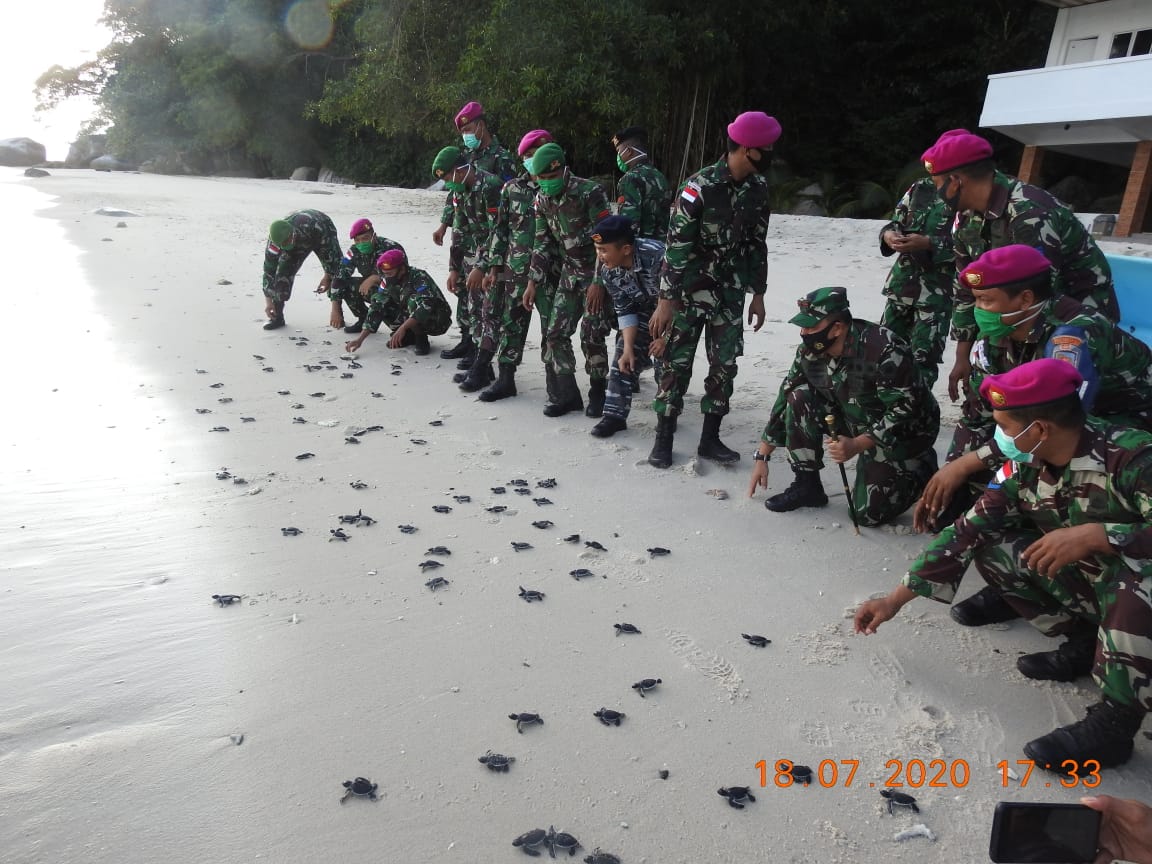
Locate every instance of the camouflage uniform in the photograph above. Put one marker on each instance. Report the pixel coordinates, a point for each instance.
(634, 293)
(872, 389)
(495, 160)
(919, 285)
(346, 287)
(645, 196)
(314, 232)
(1108, 481)
(414, 296)
(474, 220)
(1116, 365)
(716, 252)
(1025, 214)
(564, 225)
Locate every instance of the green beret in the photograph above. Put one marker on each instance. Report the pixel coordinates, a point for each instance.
(280, 232)
(447, 161)
(818, 305)
(548, 158)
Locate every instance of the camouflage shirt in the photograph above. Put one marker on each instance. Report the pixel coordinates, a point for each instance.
(872, 389)
(1114, 364)
(634, 292)
(495, 160)
(474, 220)
(716, 235)
(921, 211)
(564, 227)
(1108, 481)
(515, 230)
(313, 232)
(414, 296)
(644, 196)
(1025, 214)
(364, 263)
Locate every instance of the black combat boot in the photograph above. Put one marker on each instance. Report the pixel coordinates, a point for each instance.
(504, 387)
(568, 397)
(355, 328)
(481, 373)
(420, 346)
(806, 491)
(277, 320)
(711, 447)
(986, 606)
(609, 426)
(661, 455)
(461, 349)
(596, 392)
(1072, 660)
(550, 387)
(1105, 735)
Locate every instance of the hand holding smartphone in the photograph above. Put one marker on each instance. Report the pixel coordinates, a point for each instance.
(1050, 833)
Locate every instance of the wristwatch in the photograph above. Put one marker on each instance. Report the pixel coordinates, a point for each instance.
(759, 457)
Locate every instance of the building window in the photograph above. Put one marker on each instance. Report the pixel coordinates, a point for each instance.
(1131, 44)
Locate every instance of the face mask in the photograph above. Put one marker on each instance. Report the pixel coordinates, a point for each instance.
(551, 186)
(470, 140)
(820, 341)
(528, 165)
(458, 188)
(952, 201)
(991, 325)
(1008, 445)
(758, 165)
(364, 248)
(621, 164)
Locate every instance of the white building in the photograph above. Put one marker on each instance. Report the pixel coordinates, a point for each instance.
(1093, 98)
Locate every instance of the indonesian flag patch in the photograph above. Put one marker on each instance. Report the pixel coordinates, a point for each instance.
(690, 194)
(1005, 472)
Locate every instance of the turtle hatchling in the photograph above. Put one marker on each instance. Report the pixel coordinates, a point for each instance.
(801, 774)
(223, 474)
(580, 573)
(737, 796)
(499, 508)
(436, 582)
(283, 392)
(530, 596)
(497, 761)
(646, 684)
(291, 532)
(550, 483)
(358, 484)
(626, 628)
(594, 544)
(351, 440)
(499, 490)
(350, 518)
(659, 551)
(525, 719)
(337, 534)
(541, 502)
(518, 482)
(530, 841)
(203, 410)
(561, 840)
(756, 641)
(366, 520)
(407, 529)
(299, 420)
(543, 524)
(521, 547)
(572, 538)
(435, 422)
(360, 787)
(247, 419)
(316, 395)
(609, 717)
(462, 499)
(218, 429)
(598, 857)
(303, 456)
(519, 490)
(439, 550)
(899, 799)
(430, 565)
(226, 599)
(419, 442)
(216, 386)
(441, 508)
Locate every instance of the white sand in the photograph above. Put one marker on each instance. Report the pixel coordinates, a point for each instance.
(124, 682)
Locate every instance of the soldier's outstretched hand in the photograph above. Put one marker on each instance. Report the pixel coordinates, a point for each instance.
(1065, 546)
(661, 319)
(756, 312)
(529, 299)
(355, 344)
(872, 613)
(438, 235)
(759, 478)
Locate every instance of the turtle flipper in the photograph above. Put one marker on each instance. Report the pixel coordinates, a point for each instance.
(735, 804)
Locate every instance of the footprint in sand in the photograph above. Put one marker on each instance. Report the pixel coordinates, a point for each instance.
(816, 733)
(711, 665)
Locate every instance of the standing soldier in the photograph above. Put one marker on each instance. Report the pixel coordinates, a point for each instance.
(1064, 533)
(361, 256)
(643, 193)
(716, 253)
(919, 285)
(567, 210)
(866, 379)
(290, 241)
(408, 302)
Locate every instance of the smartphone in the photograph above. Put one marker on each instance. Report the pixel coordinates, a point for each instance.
(1050, 833)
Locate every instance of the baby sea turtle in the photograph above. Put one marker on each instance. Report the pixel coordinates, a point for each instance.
(521, 491)
(598, 857)
(216, 386)
(358, 484)
(337, 534)
(499, 490)
(360, 787)
(626, 628)
(350, 518)
(396, 370)
(376, 395)
(441, 508)
(408, 529)
(439, 550)
(283, 392)
(581, 573)
(302, 456)
(430, 565)
(644, 685)
(419, 442)
(297, 406)
(203, 410)
(499, 508)
(594, 544)
(530, 841)
(247, 419)
(352, 364)
(737, 796)
(609, 717)
(525, 719)
(518, 482)
(521, 547)
(436, 582)
(239, 481)
(268, 369)
(541, 502)
(308, 367)
(218, 429)
(530, 596)
(201, 371)
(659, 551)
(316, 395)
(224, 400)
(801, 774)
(366, 520)
(899, 799)
(291, 532)
(462, 499)
(572, 538)
(226, 599)
(347, 374)
(561, 840)
(756, 641)
(543, 524)
(223, 474)
(351, 440)
(435, 422)
(299, 420)
(496, 761)
(550, 483)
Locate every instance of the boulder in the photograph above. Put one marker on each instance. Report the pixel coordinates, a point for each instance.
(327, 175)
(165, 163)
(305, 173)
(1074, 191)
(110, 163)
(36, 172)
(808, 207)
(84, 149)
(20, 152)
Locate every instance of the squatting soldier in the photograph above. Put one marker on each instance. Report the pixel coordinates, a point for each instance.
(643, 194)
(477, 202)
(509, 253)
(361, 257)
(408, 302)
(629, 272)
(866, 378)
(716, 253)
(993, 210)
(290, 241)
(1064, 533)
(919, 285)
(567, 210)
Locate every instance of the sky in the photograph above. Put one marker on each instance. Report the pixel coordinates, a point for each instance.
(66, 32)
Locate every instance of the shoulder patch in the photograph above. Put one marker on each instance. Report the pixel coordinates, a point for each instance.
(273, 248)
(690, 199)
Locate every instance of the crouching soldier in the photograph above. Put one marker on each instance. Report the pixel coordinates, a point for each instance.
(408, 302)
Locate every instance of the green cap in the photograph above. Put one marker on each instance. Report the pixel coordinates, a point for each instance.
(818, 305)
(447, 161)
(548, 158)
(280, 232)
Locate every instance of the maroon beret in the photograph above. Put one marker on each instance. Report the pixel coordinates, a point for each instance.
(469, 113)
(1030, 384)
(955, 149)
(1004, 266)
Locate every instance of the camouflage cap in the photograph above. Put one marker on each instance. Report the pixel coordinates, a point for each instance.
(818, 305)
(447, 161)
(548, 158)
(280, 232)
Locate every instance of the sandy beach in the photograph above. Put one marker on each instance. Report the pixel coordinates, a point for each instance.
(143, 722)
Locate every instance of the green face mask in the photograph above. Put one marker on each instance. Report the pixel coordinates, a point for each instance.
(551, 186)
(621, 164)
(991, 325)
(363, 248)
(458, 188)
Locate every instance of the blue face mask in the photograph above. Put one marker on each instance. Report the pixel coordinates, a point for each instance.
(470, 140)
(1008, 446)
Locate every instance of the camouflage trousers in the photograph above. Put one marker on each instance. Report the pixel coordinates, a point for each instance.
(885, 486)
(391, 314)
(719, 315)
(1113, 597)
(514, 322)
(594, 330)
(469, 306)
(567, 307)
(348, 292)
(493, 303)
(922, 323)
(279, 288)
(621, 387)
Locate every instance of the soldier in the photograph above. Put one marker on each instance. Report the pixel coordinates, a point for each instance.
(509, 252)
(361, 256)
(919, 285)
(290, 241)
(643, 193)
(477, 202)
(866, 378)
(408, 302)
(1064, 533)
(716, 252)
(629, 271)
(567, 210)
(993, 210)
